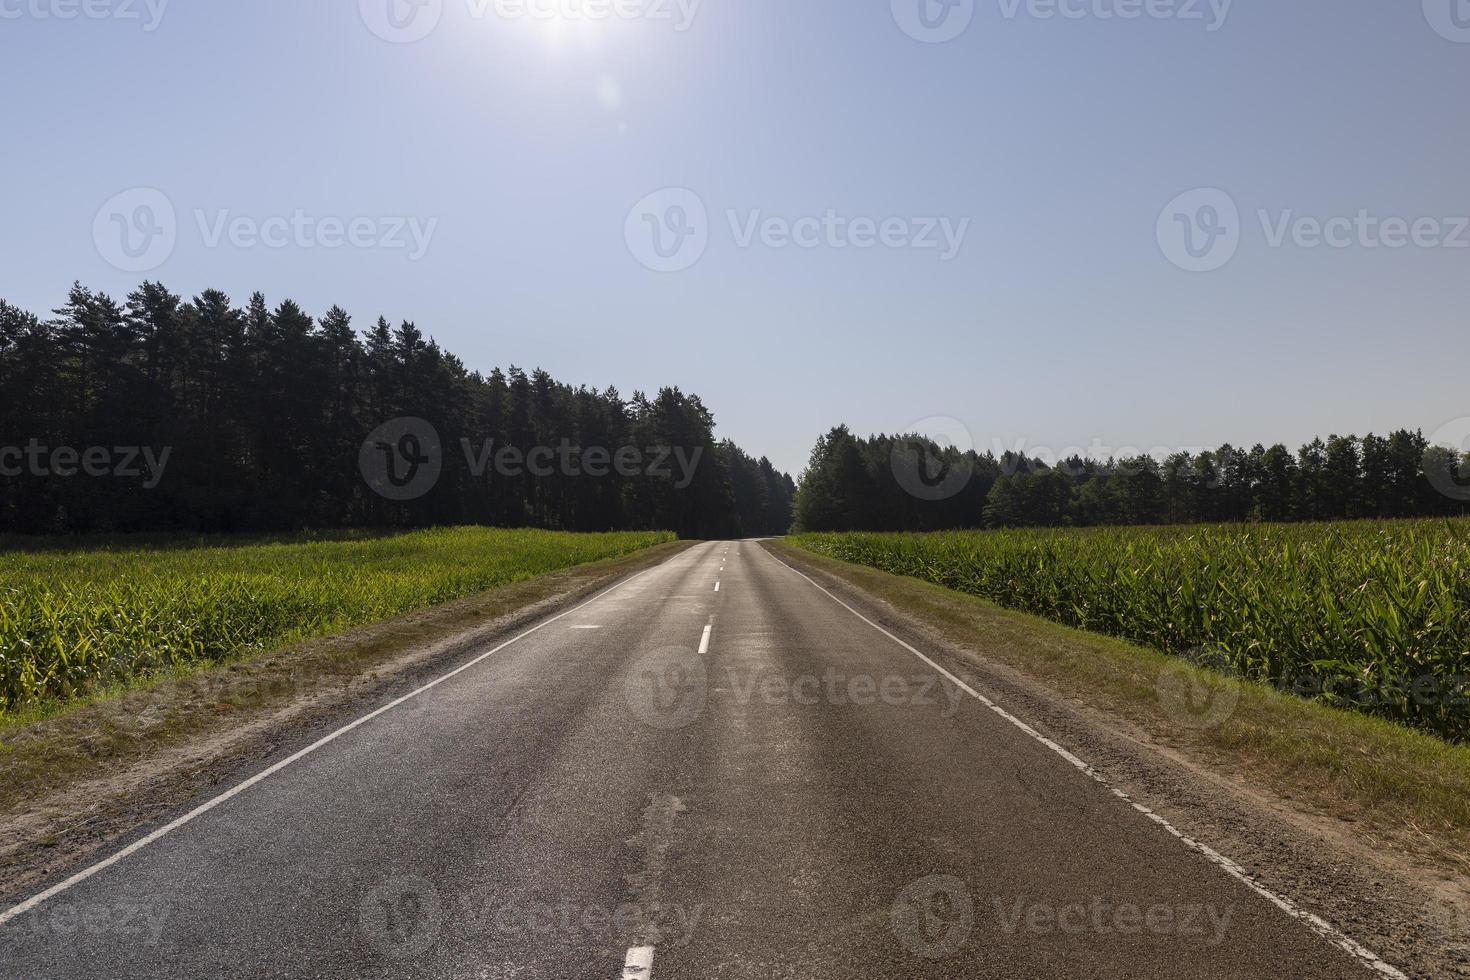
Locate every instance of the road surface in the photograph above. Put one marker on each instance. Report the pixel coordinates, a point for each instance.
(713, 770)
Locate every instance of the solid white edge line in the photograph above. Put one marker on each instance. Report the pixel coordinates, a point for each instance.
(639, 963)
(204, 808)
(704, 640)
(1317, 924)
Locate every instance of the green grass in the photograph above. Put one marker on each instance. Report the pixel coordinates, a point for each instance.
(1373, 616)
(93, 616)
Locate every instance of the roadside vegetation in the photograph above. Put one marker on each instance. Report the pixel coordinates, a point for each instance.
(98, 616)
(212, 417)
(908, 483)
(1391, 788)
(1371, 616)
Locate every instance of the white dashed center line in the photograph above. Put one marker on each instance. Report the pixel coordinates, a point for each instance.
(639, 964)
(704, 640)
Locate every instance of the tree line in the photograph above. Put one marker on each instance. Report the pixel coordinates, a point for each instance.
(261, 419)
(908, 483)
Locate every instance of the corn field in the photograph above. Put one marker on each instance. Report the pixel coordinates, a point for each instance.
(1373, 616)
(74, 620)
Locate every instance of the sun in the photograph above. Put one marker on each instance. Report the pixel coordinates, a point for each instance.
(565, 23)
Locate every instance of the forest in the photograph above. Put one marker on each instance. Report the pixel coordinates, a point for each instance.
(908, 483)
(159, 414)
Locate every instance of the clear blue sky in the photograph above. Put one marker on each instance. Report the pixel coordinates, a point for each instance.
(1059, 322)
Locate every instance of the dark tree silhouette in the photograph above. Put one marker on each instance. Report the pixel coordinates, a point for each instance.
(856, 484)
(264, 413)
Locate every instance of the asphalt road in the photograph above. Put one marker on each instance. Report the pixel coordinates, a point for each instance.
(804, 799)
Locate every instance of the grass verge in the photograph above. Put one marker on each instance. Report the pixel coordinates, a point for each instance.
(197, 712)
(91, 617)
(1401, 788)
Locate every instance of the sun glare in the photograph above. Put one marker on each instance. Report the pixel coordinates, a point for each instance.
(564, 23)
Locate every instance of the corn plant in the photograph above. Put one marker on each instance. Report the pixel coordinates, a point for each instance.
(1373, 616)
(72, 620)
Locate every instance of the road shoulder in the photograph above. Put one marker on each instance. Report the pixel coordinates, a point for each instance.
(75, 783)
(1361, 822)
